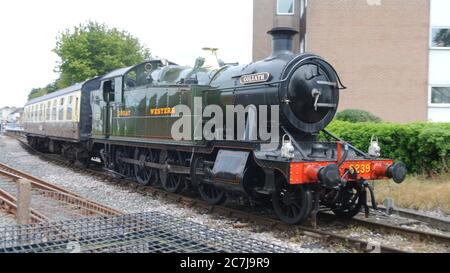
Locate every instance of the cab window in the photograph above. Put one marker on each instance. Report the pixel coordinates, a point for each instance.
(139, 76)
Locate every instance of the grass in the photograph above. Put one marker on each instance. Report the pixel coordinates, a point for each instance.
(417, 192)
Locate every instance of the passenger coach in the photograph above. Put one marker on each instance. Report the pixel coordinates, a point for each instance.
(60, 122)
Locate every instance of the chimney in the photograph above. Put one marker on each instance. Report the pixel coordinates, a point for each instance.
(282, 40)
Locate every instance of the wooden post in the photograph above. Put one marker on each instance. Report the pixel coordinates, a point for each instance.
(23, 216)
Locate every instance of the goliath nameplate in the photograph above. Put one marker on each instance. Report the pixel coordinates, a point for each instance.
(255, 78)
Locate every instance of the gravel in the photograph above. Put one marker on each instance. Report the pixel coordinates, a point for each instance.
(128, 201)
(6, 219)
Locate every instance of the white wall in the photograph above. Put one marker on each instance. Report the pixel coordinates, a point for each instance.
(439, 61)
(440, 13)
(439, 66)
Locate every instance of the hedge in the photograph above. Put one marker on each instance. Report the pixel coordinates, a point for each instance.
(356, 115)
(423, 147)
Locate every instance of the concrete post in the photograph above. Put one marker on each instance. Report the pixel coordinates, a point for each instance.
(389, 204)
(23, 216)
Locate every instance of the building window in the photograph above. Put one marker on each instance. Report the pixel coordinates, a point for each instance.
(285, 7)
(440, 37)
(440, 96)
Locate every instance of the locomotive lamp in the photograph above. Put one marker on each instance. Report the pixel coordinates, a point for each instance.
(287, 149)
(374, 148)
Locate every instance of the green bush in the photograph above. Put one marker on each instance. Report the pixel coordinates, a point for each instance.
(423, 147)
(355, 115)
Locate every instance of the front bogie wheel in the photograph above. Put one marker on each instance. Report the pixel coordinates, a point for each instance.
(350, 202)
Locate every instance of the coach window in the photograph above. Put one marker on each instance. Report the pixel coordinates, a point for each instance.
(69, 108)
(285, 7)
(49, 108)
(54, 110)
(76, 108)
(39, 112)
(61, 109)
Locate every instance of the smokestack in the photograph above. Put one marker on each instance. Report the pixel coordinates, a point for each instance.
(282, 40)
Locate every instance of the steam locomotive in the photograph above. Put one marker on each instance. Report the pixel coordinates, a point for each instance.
(127, 118)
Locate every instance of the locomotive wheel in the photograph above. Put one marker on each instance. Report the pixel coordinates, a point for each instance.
(144, 175)
(120, 166)
(83, 162)
(292, 204)
(171, 182)
(82, 158)
(211, 194)
(350, 202)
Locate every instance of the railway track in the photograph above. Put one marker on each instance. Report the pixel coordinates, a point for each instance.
(434, 221)
(269, 221)
(49, 202)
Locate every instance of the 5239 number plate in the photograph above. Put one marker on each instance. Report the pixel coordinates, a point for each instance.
(363, 168)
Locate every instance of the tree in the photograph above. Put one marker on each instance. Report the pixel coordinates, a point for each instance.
(93, 49)
(37, 92)
(90, 50)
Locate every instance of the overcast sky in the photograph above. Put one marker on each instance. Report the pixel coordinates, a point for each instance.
(171, 29)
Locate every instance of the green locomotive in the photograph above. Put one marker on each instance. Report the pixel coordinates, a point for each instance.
(225, 130)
